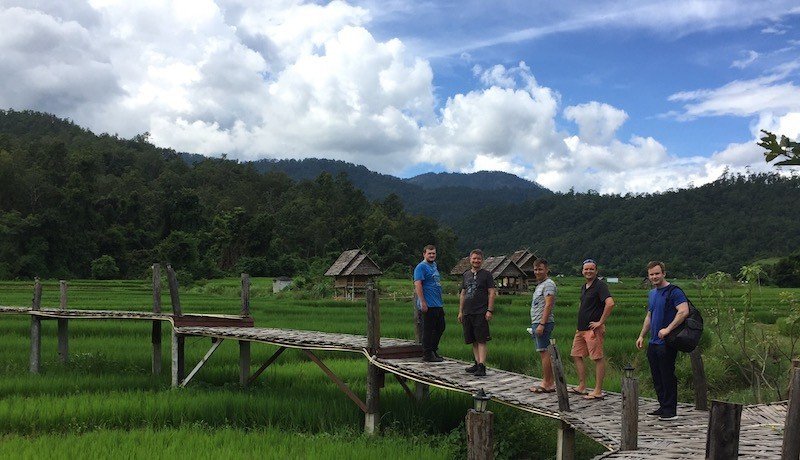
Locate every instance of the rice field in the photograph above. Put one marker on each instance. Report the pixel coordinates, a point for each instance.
(105, 402)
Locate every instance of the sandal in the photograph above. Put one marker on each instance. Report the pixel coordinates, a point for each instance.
(541, 389)
(592, 397)
(576, 391)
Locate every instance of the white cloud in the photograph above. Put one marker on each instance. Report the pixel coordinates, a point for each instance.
(597, 122)
(746, 61)
(288, 79)
(742, 97)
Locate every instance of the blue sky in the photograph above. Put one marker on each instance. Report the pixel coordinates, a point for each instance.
(615, 96)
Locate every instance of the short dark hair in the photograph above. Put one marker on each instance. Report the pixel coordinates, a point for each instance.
(476, 251)
(540, 261)
(657, 263)
(429, 247)
(589, 261)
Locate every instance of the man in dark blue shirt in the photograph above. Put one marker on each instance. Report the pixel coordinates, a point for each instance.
(428, 287)
(667, 307)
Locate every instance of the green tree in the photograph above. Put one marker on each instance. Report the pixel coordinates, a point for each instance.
(104, 268)
(783, 148)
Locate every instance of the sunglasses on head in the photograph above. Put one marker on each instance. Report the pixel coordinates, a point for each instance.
(590, 261)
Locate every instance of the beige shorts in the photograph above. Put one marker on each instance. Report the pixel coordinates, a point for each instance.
(589, 343)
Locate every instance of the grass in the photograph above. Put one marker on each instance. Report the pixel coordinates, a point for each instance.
(105, 400)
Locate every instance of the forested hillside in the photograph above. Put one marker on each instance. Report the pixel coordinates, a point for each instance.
(73, 204)
(719, 226)
(444, 196)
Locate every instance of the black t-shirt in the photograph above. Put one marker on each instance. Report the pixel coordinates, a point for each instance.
(476, 291)
(593, 302)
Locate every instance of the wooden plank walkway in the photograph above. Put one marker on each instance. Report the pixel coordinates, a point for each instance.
(761, 427)
(684, 438)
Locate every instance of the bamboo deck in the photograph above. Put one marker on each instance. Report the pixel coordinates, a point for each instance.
(684, 438)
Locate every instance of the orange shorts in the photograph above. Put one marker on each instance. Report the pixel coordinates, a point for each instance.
(589, 343)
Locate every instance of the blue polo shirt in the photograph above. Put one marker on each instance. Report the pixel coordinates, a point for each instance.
(431, 283)
(661, 304)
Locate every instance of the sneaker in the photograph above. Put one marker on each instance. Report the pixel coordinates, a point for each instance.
(656, 413)
(472, 369)
(481, 371)
(431, 357)
(436, 353)
(664, 417)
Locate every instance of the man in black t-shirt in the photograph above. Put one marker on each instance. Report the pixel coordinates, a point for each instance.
(475, 310)
(596, 306)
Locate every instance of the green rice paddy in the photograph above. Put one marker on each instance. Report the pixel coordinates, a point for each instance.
(105, 403)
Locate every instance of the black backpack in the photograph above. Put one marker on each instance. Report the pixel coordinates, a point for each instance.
(686, 335)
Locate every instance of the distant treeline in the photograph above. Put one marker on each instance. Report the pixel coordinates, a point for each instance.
(720, 226)
(74, 204)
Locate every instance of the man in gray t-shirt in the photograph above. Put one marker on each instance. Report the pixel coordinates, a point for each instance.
(543, 322)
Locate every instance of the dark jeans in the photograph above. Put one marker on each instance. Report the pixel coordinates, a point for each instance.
(662, 368)
(432, 328)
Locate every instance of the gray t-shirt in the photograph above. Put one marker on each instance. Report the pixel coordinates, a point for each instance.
(544, 289)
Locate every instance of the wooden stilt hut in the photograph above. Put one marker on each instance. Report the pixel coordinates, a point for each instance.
(508, 277)
(351, 272)
(524, 259)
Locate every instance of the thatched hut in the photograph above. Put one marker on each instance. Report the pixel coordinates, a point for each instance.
(351, 272)
(524, 260)
(508, 277)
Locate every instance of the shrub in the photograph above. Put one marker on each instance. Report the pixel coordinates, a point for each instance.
(105, 268)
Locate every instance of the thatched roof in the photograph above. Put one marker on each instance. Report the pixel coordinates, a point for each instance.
(524, 260)
(498, 266)
(354, 262)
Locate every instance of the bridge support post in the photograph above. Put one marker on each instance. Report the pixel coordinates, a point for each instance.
(63, 325)
(178, 361)
(565, 449)
(36, 328)
(480, 435)
(699, 381)
(791, 428)
(155, 334)
(722, 438)
(630, 411)
(244, 346)
(374, 374)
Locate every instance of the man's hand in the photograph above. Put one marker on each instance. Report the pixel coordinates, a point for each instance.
(594, 324)
(663, 333)
(423, 306)
(640, 342)
(488, 315)
(460, 317)
(540, 329)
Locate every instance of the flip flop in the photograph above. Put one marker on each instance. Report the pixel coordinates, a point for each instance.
(591, 397)
(541, 389)
(576, 391)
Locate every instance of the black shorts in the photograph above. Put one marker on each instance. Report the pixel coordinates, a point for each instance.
(476, 328)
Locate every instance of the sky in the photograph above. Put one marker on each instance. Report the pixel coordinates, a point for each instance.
(622, 96)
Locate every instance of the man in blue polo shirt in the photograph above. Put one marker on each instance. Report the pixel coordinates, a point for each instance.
(667, 307)
(428, 287)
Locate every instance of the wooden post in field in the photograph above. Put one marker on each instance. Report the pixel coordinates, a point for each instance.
(480, 435)
(558, 374)
(174, 296)
(791, 428)
(565, 449)
(63, 324)
(630, 411)
(36, 328)
(699, 381)
(178, 361)
(722, 438)
(155, 334)
(795, 365)
(421, 390)
(244, 345)
(374, 373)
